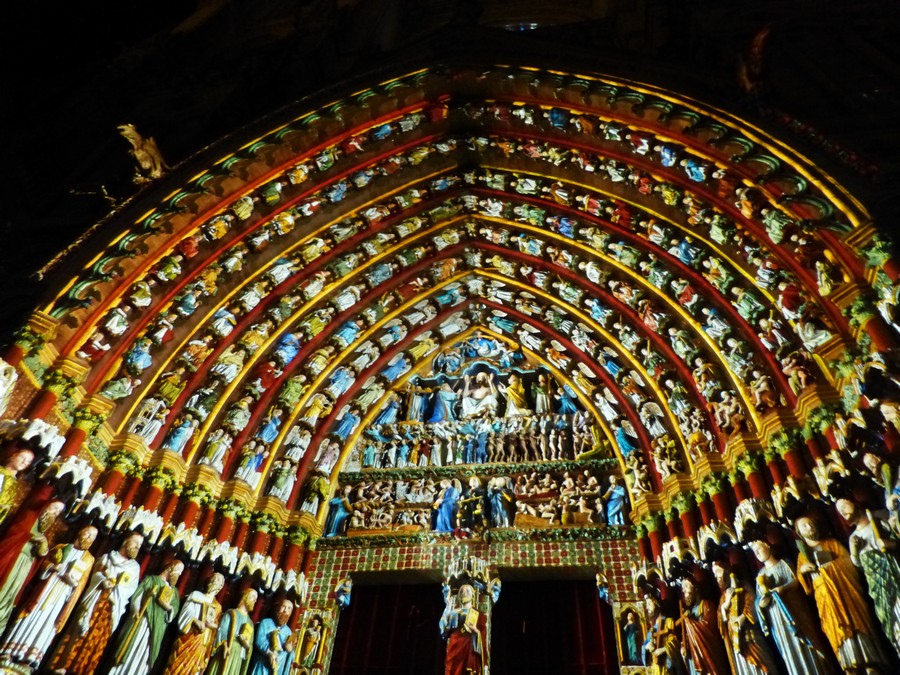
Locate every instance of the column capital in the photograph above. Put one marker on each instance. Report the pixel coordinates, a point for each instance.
(684, 502)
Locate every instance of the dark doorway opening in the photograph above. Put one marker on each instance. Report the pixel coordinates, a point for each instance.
(552, 628)
(390, 630)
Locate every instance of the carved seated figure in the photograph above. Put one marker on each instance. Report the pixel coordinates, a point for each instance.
(479, 399)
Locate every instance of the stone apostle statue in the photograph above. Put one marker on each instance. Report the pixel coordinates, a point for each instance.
(63, 576)
(152, 608)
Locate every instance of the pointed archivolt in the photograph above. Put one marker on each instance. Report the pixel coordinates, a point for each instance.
(688, 264)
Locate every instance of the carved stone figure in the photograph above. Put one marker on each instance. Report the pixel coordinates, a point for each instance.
(274, 643)
(21, 548)
(748, 651)
(465, 629)
(783, 613)
(662, 648)
(151, 164)
(873, 549)
(113, 581)
(63, 576)
(18, 462)
(702, 641)
(153, 607)
(234, 639)
(826, 572)
(479, 398)
(198, 622)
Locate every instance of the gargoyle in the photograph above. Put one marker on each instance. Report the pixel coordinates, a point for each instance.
(151, 164)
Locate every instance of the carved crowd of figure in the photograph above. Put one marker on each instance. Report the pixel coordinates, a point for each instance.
(207, 346)
(523, 501)
(239, 414)
(638, 252)
(527, 438)
(719, 322)
(819, 602)
(63, 610)
(624, 260)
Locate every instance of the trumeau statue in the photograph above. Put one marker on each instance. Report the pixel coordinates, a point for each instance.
(465, 628)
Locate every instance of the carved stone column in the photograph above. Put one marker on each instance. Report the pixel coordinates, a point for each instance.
(651, 523)
(717, 487)
(685, 503)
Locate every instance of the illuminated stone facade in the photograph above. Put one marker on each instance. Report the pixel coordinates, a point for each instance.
(657, 328)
